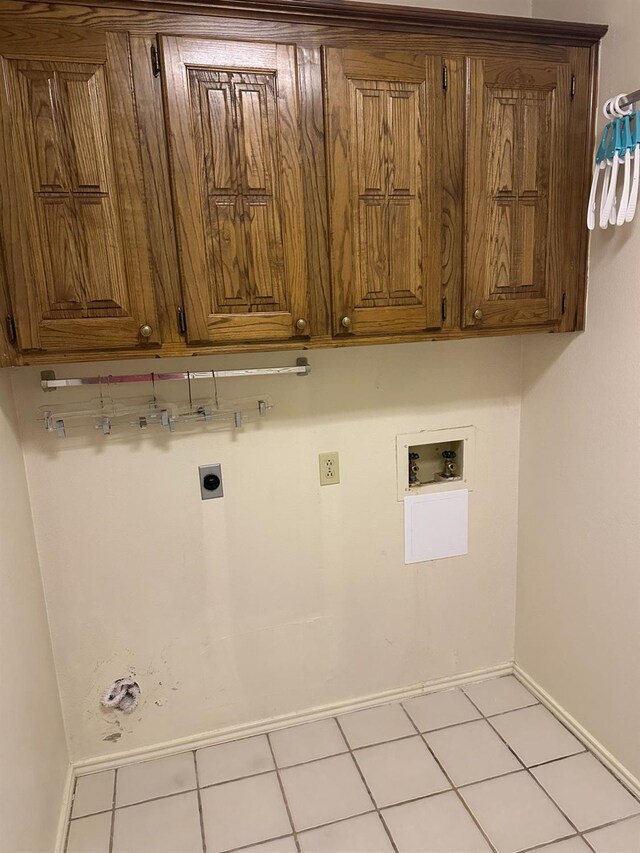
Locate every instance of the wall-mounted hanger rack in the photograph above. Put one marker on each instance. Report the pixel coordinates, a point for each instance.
(630, 99)
(617, 161)
(50, 382)
(105, 412)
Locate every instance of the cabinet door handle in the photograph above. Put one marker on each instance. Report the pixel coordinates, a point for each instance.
(301, 324)
(478, 314)
(146, 331)
(346, 322)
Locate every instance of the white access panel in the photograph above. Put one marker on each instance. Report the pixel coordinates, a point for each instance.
(436, 526)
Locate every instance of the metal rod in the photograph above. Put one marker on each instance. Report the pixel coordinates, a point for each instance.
(630, 99)
(49, 382)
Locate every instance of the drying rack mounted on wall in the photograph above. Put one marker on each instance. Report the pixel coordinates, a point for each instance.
(105, 412)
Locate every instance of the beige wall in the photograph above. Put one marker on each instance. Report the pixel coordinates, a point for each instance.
(33, 753)
(578, 619)
(283, 595)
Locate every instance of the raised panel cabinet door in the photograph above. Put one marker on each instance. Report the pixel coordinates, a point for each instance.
(518, 180)
(73, 220)
(234, 137)
(384, 129)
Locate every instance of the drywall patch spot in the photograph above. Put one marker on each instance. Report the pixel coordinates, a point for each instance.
(114, 737)
(123, 695)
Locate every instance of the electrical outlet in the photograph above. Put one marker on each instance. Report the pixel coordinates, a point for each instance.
(210, 481)
(329, 468)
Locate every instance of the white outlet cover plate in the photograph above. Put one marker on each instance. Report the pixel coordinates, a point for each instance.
(323, 458)
(435, 436)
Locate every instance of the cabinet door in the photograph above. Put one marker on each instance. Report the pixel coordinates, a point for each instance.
(383, 141)
(234, 137)
(516, 181)
(73, 220)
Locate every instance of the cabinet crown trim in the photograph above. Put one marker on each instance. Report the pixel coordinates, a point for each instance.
(345, 13)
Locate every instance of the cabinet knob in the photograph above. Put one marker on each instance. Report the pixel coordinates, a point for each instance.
(478, 314)
(346, 322)
(146, 331)
(301, 324)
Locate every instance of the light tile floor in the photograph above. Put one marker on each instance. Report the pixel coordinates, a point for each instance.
(476, 769)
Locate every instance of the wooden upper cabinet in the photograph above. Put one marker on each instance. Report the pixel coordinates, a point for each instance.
(73, 219)
(234, 137)
(518, 183)
(357, 174)
(383, 145)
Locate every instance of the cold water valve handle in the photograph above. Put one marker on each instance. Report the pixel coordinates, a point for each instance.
(450, 465)
(413, 468)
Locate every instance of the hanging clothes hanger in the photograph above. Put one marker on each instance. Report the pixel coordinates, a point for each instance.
(617, 156)
(600, 169)
(623, 158)
(608, 201)
(627, 147)
(635, 183)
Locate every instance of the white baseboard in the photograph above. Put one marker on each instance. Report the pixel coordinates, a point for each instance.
(618, 769)
(65, 810)
(146, 753)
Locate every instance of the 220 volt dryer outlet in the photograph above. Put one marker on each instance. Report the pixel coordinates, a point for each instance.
(329, 469)
(210, 481)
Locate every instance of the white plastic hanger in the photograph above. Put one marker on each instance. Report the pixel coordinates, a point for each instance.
(608, 200)
(600, 168)
(627, 145)
(635, 184)
(626, 173)
(619, 147)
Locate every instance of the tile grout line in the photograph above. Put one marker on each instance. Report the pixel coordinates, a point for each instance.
(258, 843)
(301, 832)
(527, 770)
(284, 796)
(542, 847)
(583, 747)
(113, 809)
(588, 843)
(450, 780)
(364, 782)
(268, 772)
(553, 760)
(357, 749)
(152, 799)
(533, 704)
(580, 833)
(90, 814)
(488, 719)
(587, 748)
(374, 810)
(204, 840)
(323, 758)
